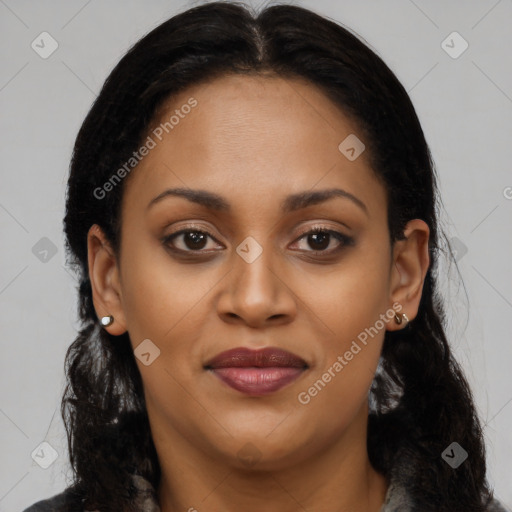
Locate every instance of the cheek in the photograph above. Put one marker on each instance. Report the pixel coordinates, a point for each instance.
(353, 305)
(352, 296)
(164, 303)
(159, 293)
(338, 385)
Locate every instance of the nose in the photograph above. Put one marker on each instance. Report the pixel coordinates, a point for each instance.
(258, 293)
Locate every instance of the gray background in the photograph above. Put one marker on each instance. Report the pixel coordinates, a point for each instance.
(464, 104)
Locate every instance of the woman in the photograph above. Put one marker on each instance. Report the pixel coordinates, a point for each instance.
(252, 212)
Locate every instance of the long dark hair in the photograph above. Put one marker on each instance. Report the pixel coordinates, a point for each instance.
(420, 399)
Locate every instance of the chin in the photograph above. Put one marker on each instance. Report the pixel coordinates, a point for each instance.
(266, 448)
(260, 455)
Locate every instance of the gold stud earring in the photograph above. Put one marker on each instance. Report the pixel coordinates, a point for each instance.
(400, 317)
(107, 320)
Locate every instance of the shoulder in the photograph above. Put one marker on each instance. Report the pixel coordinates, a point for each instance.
(495, 506)
(70, 500)
(66, 501)
(402, 493)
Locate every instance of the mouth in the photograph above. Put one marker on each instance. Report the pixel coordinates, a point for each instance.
(257, 372)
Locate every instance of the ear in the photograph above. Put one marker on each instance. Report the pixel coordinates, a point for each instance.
(104, 276)
(408, 269)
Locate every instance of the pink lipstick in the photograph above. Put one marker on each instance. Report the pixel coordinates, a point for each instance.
(257, 372)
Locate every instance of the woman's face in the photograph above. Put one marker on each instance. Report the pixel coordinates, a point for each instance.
(264, 153)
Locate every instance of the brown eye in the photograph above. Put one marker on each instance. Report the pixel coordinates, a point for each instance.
(195, 239)
(189, 240)
(319, 239)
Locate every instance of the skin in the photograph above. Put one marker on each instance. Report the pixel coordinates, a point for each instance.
(255, 140)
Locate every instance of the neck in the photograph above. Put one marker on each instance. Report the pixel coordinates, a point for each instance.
(340, 478)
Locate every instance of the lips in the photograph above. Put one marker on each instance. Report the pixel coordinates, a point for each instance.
(257, 372)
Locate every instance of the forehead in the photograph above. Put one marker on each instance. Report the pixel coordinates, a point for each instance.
(242, 133)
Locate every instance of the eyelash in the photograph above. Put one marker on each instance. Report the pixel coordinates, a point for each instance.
(343, 239)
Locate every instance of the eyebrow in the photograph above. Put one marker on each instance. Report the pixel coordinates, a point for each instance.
(291, 203)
